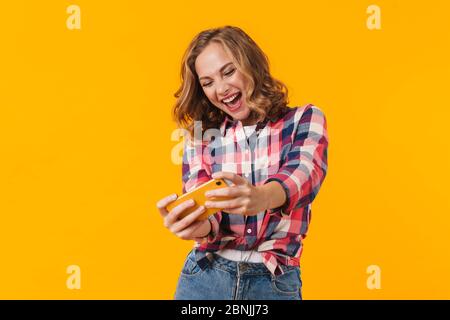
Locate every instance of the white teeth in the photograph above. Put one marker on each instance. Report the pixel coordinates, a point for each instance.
(230, 98)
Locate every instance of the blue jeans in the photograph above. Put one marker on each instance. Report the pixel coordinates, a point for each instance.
(224, 279)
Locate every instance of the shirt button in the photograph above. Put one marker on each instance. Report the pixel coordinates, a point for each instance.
(247, 174)
(249, 230)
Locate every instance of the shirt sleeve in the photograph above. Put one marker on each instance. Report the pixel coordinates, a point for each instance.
(196, 170)
(305, 165)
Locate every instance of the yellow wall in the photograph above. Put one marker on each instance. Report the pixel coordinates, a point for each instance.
(85, 132)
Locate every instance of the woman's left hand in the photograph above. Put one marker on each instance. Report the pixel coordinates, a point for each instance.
(246, 198)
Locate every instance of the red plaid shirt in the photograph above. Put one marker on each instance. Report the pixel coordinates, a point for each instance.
(291, 150)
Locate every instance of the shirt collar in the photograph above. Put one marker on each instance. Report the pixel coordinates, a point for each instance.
(229, 122)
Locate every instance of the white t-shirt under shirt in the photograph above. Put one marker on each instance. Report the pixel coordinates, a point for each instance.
(252, 256)
(248, 130)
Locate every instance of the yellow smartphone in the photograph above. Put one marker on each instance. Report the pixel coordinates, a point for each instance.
(198, 195)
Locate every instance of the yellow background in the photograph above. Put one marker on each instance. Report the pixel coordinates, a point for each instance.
(85, 129)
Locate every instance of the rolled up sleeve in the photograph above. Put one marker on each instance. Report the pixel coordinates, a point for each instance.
(195, 169)
(305, 166)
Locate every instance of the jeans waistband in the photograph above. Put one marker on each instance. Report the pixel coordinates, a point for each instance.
(245, 268)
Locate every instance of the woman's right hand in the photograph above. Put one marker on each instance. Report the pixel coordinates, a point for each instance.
(186, 228)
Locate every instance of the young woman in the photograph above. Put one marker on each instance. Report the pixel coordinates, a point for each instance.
(275, 157)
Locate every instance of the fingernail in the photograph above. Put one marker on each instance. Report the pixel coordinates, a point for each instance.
(208, 194)
(202, 208)
(207, 204)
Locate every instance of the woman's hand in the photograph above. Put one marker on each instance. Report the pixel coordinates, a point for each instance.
(246, 198)
(186, 228)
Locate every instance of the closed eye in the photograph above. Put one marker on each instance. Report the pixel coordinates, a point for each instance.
(229, 73)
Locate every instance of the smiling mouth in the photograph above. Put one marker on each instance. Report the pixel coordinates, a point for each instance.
(235, 103)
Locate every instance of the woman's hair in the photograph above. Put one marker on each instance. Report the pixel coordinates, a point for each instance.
(265, 97)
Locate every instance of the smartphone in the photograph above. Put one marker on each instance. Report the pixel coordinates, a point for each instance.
(198, 195)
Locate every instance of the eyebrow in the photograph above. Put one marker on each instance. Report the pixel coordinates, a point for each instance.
(221, 69)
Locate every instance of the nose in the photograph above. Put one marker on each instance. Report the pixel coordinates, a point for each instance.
(222, 89)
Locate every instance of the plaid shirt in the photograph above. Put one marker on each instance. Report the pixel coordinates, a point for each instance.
(292, 151)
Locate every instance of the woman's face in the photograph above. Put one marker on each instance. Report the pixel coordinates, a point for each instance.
(222, 82)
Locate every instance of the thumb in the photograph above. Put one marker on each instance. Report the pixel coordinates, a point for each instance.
(233, 177)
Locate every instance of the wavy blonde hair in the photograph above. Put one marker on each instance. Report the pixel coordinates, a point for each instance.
(266, 96)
